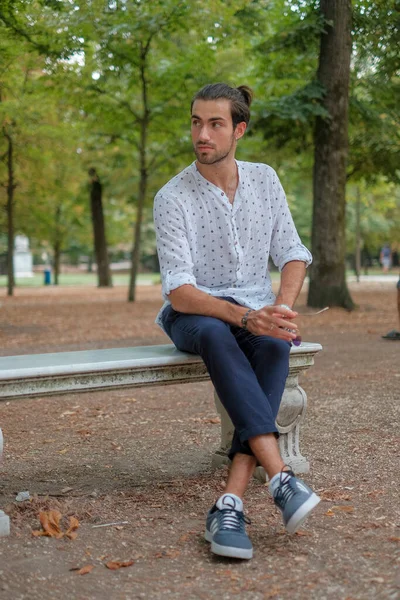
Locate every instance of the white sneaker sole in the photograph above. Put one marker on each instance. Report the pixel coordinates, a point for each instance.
(230, 552)
(302, 513)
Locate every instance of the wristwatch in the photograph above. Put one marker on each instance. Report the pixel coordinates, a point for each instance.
(245, 317)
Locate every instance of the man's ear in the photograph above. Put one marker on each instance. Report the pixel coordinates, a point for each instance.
(240, 129)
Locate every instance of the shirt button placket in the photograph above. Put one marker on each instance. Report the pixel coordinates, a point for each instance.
(237, 250)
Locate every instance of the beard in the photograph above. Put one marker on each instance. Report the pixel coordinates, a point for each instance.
(211, 157)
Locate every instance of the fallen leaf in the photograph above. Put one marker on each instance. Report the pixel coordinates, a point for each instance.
(50, 522)
(394, 539)
(301, 533)
(376, 493)
(73, 526)
(114, 565)
(333, 495)
(377, 580)
(214, 420)
(64, 451)
(85, 569)
(344, 508)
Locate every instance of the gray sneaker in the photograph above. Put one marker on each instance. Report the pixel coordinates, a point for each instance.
(225, 529)
(295, 499)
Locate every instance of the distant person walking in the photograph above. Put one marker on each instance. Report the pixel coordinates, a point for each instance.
(386, 258)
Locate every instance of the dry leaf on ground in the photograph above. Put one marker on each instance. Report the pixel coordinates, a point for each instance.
(114, 565)
(333, 495)
(50, 522)
(85, 570)
(73, 526)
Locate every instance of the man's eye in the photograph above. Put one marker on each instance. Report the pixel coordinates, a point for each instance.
(195, 123)
(216, 125)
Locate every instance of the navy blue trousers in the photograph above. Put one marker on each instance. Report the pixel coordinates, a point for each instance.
(248, 371)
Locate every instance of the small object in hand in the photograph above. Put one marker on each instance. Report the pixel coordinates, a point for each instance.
(297, 341)
(285, 306)
(313, 314)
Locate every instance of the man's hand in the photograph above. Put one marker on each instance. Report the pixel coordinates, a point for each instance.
(274, 321)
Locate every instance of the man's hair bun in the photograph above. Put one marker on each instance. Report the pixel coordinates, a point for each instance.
(247, 93)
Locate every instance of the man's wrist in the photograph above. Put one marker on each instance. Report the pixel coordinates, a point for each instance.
(245, 318)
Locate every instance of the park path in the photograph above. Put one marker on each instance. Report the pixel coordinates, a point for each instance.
(143, 456)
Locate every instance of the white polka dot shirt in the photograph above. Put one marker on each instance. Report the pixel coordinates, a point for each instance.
(222, 248)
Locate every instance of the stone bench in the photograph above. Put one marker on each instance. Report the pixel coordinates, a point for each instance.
(27, 376)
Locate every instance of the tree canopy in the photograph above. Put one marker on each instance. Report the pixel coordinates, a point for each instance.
(107, 84)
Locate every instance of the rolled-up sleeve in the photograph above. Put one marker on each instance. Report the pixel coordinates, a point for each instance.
(173, 247)
(285, 241)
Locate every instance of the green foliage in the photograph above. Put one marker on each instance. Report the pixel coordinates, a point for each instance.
(379, 215)
(91, 83)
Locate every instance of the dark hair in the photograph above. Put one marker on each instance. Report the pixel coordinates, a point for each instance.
(240, 98)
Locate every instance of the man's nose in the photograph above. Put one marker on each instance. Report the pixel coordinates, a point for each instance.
(204, 134)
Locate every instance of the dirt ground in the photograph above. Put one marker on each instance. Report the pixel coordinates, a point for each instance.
(142, 457)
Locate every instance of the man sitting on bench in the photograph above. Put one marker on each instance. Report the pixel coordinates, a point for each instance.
(217, 222)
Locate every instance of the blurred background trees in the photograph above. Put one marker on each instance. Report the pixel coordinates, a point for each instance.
(107, 84)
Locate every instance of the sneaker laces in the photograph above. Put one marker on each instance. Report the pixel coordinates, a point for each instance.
(284, 491)
(232, 519)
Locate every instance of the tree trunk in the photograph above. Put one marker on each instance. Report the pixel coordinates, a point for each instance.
(99, 232)
(57, 257)
(327, 276)
(135, 257)
(10, 213)
(144, 122)
(57, 240)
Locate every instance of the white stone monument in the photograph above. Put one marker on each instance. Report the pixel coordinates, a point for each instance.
(22, 257)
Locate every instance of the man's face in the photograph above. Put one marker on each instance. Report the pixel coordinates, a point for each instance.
(213, 136)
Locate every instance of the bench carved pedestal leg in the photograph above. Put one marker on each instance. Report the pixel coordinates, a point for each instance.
(290, 416)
